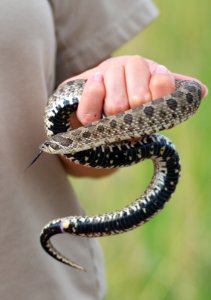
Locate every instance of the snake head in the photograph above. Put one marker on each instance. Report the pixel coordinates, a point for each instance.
(57, 144)
(50, 146)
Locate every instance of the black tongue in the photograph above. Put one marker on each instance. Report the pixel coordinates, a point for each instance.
(34, 160)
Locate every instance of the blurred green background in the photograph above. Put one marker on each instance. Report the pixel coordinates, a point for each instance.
(169, 257)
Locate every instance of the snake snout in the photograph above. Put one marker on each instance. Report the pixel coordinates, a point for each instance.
(49, 147)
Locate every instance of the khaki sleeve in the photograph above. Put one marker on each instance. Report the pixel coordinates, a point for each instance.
(89, 31)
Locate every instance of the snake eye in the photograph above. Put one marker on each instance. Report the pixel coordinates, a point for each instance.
(54, 146)
(46, 144)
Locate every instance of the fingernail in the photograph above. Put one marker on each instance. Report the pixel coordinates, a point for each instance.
(98, 76)
(206, 90)
(161, 70)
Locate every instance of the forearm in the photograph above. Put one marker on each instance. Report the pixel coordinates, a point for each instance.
(82, 171)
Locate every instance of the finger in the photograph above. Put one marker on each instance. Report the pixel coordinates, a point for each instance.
(137, 74)
(162, 82)
(91, 103)
(184, 77)
(116, 99)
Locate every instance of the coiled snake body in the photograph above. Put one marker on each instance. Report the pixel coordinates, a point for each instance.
(104, 144)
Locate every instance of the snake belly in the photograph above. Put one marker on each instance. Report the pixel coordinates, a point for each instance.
(104, 144)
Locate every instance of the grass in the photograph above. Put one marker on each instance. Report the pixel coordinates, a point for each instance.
(169, 258)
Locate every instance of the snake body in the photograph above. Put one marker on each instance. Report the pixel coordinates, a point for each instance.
(104, 144)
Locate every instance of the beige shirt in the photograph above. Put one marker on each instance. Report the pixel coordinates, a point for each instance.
(41, 44)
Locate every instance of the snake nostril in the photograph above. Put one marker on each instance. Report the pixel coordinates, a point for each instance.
(45, 146)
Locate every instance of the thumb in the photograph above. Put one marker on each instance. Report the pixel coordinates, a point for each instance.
(184, 77)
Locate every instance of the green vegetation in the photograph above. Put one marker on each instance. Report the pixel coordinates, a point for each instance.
(169, 257)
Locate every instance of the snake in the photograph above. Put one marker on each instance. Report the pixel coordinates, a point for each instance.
(117, 141)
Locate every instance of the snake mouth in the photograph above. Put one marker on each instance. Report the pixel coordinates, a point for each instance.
(50, 147)
(45, 147)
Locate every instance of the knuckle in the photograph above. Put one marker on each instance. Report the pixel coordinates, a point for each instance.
(139, 99)
(135, 59)
(161, 85)
(90, 90)
(161, 80)
(94, 89)
(113, 108)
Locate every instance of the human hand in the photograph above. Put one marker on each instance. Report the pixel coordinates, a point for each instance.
(115, 85)
(121, 83)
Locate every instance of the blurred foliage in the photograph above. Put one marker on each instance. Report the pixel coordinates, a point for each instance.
(169, 257)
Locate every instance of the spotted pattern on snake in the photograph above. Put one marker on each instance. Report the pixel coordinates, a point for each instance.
(104, 144)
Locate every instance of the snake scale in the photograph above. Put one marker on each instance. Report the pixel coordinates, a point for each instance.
(107, 144)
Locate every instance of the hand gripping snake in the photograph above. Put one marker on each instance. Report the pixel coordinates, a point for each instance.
(104, 144)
